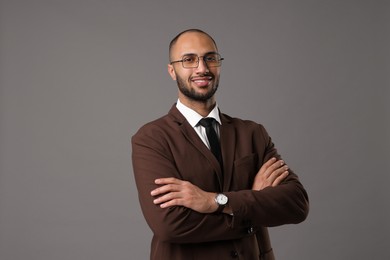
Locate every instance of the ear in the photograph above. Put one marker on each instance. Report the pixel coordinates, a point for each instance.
(171, 71)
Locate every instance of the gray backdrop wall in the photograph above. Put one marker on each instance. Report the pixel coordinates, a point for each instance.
(79, 77)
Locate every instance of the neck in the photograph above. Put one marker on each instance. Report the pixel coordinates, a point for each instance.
(202, 108)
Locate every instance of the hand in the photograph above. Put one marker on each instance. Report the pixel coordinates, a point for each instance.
(272, 173)
(175, 192)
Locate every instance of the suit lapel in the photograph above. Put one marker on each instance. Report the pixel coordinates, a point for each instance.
(228, 145)
(193, 138)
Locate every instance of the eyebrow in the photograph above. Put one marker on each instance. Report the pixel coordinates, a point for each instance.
(210, 52)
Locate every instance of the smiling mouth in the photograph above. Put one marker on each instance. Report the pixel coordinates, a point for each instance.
(202, 81)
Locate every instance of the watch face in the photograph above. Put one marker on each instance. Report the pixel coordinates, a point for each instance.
(222, 199)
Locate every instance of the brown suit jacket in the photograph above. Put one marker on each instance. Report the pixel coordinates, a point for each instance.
(169, 147)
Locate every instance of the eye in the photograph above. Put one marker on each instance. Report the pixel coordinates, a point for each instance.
(211, 58)
(189, 58)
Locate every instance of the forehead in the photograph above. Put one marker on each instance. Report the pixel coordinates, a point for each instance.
(193, 42)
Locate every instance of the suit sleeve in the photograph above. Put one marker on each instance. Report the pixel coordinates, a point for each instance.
(286, 203)
(152, 158)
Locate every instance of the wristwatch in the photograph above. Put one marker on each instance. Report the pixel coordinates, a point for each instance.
(221, 200)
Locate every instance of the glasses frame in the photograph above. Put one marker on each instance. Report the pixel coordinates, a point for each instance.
(197, 62)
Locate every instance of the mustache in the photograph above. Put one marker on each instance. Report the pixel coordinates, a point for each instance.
(207, 74)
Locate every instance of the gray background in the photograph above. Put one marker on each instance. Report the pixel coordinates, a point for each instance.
(78, 78)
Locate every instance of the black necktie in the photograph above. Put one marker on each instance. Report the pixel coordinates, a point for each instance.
(212, 137)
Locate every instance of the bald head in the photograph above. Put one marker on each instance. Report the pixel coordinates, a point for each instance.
(174, 40)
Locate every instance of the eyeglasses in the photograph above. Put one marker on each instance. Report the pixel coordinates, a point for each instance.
(192, 60)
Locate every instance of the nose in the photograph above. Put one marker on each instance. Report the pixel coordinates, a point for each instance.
(202, 66)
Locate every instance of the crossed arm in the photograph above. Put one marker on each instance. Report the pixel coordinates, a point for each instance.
(175, 192)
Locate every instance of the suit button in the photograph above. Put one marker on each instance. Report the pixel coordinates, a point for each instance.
(251, 230)
(234, 254)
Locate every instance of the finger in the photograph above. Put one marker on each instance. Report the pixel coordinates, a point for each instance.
(167, 197)
(266, 165)
(172, 199)
(165, 189)
(269, 162)
(273, 167)
(277, 164)
(171, 203)
(276, 173)
(280, 178)
(167, 180)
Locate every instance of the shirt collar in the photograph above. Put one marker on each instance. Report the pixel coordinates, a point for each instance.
(193, 117)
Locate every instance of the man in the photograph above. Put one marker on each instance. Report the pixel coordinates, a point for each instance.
(202, 197)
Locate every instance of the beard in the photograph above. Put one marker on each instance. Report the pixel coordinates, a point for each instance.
(191, 93)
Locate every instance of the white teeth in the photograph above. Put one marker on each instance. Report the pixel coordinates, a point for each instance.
(201, 80)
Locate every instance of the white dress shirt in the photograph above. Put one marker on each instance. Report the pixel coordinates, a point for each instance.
(193, 118)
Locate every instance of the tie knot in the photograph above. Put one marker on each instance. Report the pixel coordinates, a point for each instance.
(206, 122)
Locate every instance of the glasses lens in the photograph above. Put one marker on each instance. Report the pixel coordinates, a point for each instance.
(190, 61)
(212, 59)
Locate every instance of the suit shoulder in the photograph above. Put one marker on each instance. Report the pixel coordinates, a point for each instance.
(155, 126)
(239, 122)
(165, 127)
